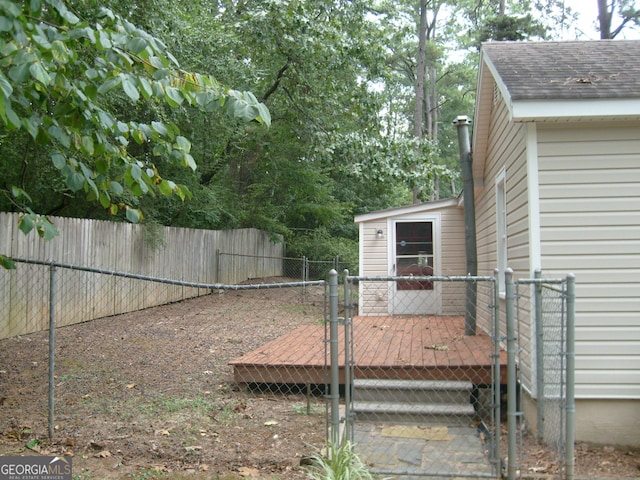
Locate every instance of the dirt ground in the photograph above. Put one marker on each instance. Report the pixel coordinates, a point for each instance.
(150, 394)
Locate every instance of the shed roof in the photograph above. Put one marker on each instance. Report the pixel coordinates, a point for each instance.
(416, 208)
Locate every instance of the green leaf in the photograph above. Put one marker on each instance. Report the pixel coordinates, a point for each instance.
(102, 166)
(173, 96)
(129, 87)
(60, 52)
(136, 172)
(136, 45)
(87, 145)
(75, 181)
(133, 215)
(7, 263)
(40, 73)
(116, 188)
(26, 223)
(166, 187)
(145, 87)
(32, 125)
(60, 135)
(6, 24)
(183, 144)
(103, 41)
(109, 85)
(59, 161)
(265, 115)
(104, 200)
(19, 73)
(20, 194)
(160, 128)
(188, 161)
(5, 86)
(46, 229)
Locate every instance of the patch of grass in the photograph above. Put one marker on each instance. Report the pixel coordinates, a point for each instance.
(84, 475)
(339, 463)
(146, 474)
(304, 409)
(163, 405)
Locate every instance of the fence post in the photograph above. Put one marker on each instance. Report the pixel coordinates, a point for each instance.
(334, 393)
(570, 378)
(348, 318)
(537, 288)
(511, 375)
(52, 346)
(497, 379)
(217, 280)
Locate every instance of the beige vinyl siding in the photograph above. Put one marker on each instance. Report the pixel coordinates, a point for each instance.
(590, 225)
(374, 258)
(374, 262)
(507, 152)
(453, 260)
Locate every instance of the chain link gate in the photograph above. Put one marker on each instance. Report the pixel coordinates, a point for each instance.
(422, 392)
(544, 316)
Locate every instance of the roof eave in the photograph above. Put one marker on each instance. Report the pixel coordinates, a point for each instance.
(407, 210)
(558, 110)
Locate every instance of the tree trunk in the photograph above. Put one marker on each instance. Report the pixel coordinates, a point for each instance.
(604, 19)
(418, 114)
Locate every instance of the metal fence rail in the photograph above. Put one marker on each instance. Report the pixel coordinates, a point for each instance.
(298, 268)
(544, 310)
(422, 398)
(144, 371)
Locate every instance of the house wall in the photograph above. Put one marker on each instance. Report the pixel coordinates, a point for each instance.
(590, 225)
(587, 177)
(506, 155)
(374, 260)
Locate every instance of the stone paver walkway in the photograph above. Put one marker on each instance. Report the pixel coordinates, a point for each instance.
(409, 451)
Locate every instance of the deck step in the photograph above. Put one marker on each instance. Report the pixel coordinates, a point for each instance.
(413, 391)
(407, 413)
(413, 401)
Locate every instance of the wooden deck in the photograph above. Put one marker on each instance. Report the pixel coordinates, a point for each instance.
(398, 347)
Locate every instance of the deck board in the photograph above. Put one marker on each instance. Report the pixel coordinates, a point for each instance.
(402, 347)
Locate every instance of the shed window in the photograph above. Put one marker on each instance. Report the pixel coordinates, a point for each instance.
(414, 254)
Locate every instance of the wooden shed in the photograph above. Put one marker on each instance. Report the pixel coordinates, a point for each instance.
(414, 240)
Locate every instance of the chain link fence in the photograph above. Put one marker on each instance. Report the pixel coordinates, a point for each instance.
(125, 367)
(425, 373)
(406, 368)
(544, 316)
(293, 268)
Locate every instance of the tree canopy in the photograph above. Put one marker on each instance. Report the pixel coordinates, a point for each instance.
(121, 109)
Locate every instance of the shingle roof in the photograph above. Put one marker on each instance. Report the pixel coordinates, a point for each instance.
(603, 69)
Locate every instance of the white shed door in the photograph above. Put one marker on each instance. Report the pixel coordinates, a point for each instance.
(414, 254)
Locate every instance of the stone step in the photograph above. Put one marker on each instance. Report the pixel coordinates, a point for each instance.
(413, 391)
(413, 413)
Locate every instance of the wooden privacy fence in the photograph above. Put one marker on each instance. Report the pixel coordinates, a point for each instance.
(183, 254)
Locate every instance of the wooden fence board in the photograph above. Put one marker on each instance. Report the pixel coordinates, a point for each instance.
(182, 254)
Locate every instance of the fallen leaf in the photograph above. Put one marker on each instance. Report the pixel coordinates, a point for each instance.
(163, 432)
(131, 385)
(193, 448)
(103, 454)
(270, 423)
(249, 472)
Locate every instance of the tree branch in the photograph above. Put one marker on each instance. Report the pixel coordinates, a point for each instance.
(276, 84)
